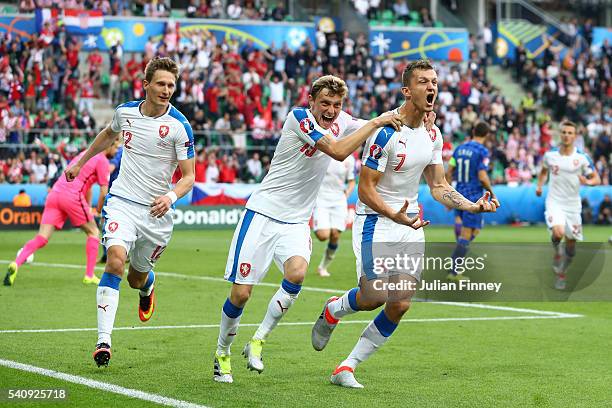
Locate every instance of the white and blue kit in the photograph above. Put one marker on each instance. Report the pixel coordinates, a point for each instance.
(331, 208)
(563, 205)
(152, 148)
(401, 157)
(275, 224)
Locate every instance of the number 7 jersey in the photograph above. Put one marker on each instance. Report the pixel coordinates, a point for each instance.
(401, 157)
(289, 190)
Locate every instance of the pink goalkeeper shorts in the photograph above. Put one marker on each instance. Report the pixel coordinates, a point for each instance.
(58, 207)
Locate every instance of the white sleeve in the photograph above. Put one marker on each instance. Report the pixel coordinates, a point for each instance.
(350, 168)
(303, 124)
(183, 144)
(436, 157)
(115, 124)
(353, 124)
(376, 153)
(588, 167)
(545, 160)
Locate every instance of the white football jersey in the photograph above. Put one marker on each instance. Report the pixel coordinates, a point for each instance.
(332, 189)
(152, 148)
(289, 190)
(564, 185)
(401, 157)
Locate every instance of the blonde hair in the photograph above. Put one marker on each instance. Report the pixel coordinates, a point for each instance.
(333, 84)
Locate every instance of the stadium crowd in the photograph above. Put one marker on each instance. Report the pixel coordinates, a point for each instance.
(235, 10)
(237, 97)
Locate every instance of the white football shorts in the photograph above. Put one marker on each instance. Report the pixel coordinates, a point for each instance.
(257, 241)
(130, 225)
(570, 219)
(375, 236)
(325, 218)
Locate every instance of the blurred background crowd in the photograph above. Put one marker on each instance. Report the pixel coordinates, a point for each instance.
(237, 96)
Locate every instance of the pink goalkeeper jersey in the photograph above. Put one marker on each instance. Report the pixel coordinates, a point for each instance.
(96, 170)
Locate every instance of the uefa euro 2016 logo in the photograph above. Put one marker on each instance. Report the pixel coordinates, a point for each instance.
(306, 125)
(375, 151)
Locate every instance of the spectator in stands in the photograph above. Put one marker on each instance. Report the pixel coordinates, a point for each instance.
(512, 175)
(426, 19)
(212, 170)
(234, 10)
(279, 13)
(38, 171)
(22, 199)
(228, 169)
(156, 9)
(401, 10)
(587, 212)
(27, 6)
(200, 167)
(254, 168)
(238, 128)
(223, 129)
(604, 216)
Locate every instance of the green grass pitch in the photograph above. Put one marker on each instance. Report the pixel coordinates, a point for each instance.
(432, 360)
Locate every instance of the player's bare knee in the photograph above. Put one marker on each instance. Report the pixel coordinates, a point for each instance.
(466, 233)
(114, 265)
(395, 310)
(369, 303)
(136, 279)
(295, 269)
(557, 233)
(115, 260)
(240, 294)
(334, 236)
(322, 235)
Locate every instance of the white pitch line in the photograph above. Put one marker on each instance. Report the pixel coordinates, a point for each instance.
(315, 289)
(214, 326)
(88, 382)
(508, 308)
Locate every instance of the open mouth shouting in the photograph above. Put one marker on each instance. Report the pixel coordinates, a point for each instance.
(327, 121)
(430, 99)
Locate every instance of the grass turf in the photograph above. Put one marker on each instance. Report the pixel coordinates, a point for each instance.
(539, 362)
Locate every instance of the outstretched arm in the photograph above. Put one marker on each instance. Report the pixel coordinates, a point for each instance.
(447, 195)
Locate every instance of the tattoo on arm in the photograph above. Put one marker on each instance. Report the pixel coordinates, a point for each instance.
(452, 198)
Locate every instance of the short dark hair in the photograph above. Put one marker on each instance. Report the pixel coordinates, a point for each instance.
(333, 84)
(569, 123)
(421, 65)
(164, 64)
(481, 129)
